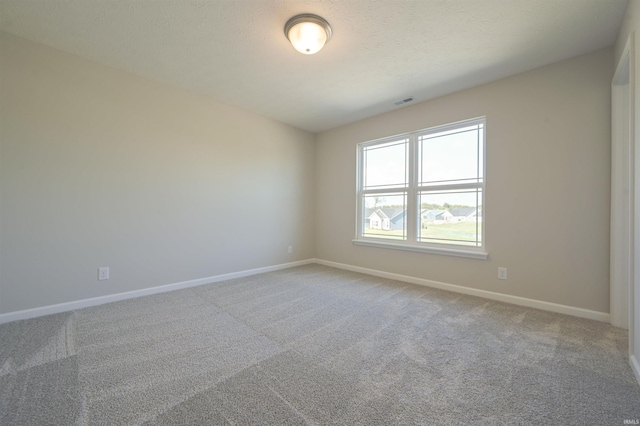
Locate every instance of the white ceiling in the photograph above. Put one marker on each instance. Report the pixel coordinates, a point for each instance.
(235, 51)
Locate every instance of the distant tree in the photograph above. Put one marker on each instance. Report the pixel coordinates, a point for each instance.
(445, 206)
(430, 206)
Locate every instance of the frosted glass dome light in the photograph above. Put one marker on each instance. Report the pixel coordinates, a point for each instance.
(307, 33)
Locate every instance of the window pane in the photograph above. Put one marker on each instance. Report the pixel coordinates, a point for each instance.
(385, 165)
(384, 216)
(453, 156)
(452, 217)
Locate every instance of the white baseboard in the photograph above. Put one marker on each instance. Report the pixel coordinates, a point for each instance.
(635, 366)
(516, 300)
(94, 301)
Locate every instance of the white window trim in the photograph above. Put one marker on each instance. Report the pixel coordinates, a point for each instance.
(411, 244)
(470, 254)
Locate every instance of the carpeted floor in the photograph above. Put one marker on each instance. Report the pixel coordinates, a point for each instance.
(314, 345)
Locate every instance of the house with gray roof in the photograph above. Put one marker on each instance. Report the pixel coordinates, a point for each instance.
(462, 214)
(386, 219)
(436, 216)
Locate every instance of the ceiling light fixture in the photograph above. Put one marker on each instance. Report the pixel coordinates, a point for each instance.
(307, 33)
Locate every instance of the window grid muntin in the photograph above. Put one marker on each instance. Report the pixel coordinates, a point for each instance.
(368, 211)
(383, 145)
(477, 193)
(431, 134)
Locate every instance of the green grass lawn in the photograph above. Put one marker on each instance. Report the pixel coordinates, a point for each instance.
(461, 232)
(452, 232)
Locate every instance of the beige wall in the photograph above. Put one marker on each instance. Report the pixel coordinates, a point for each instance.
(102, 168)
(547, 185)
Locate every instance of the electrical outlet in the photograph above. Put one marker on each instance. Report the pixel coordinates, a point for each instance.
(502, 273)
(103, 273)
(290, 250)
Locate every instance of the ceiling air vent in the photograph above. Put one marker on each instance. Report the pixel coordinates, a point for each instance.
(404, 101)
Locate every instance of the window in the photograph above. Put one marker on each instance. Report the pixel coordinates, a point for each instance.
(423, 191)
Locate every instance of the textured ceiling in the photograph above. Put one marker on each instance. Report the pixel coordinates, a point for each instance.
(235, 52)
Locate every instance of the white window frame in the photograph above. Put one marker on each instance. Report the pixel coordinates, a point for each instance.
(412, 190)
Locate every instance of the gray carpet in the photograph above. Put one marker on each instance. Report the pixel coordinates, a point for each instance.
(314, 345)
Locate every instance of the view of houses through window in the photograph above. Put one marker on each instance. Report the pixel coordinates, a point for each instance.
(447, 223)
(425, 188)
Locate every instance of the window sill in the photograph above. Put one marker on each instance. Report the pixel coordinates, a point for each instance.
(470, 254)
